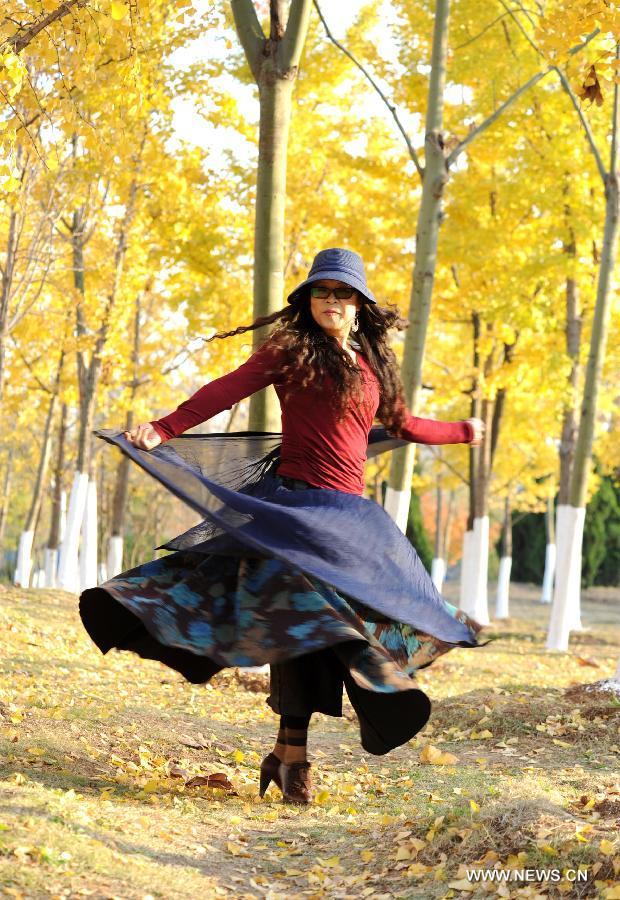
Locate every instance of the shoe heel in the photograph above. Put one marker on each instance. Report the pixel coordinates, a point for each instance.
(265, 781)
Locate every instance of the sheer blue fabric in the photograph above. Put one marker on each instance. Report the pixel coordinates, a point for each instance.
(342, 539)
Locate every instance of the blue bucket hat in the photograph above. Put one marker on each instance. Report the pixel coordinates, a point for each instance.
(338, 265)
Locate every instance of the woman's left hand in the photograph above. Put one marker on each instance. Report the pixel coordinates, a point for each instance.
(479, 429)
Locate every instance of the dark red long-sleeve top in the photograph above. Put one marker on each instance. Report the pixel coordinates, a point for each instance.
(317, 447)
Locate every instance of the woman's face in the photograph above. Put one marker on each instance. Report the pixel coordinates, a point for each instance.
(334, 316)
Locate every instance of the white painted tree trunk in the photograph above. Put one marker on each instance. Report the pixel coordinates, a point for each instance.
(51, 567)
(63, 515)
(24, 559)
(115, 555)
(396, 505)
(548, 577)
(438, 572)
(39, 579)
(465, 585)
(68, 571)
(88, 550)
(475, 596)
(565, 606)
(502, 600)
(102, 572)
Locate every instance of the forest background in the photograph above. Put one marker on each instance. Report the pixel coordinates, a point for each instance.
(129, 190)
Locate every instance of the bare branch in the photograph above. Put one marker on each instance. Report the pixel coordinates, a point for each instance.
(481, 33)
(473, 134)
(438, 456)
(586, 125)
(30, 366)
(565, 84)
(25, 35)
(412, 153)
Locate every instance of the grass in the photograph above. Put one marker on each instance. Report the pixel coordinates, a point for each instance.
(92, 805)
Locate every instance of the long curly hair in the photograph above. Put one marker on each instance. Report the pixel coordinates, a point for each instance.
(310, 354)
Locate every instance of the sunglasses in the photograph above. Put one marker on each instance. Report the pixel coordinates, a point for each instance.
(322, 293)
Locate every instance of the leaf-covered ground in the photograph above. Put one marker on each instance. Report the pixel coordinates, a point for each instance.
(518, 770)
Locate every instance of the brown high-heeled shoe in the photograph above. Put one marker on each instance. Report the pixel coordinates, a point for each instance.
(296, 782)
(269, 771)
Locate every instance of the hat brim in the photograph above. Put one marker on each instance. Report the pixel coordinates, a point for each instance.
(333, 275)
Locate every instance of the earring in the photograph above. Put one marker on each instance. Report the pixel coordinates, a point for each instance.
(356, 323)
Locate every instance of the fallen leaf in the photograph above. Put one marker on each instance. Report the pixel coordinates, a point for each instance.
(236, 849)
(435, 757)
(462, 885)
(217, 780)
(197, 743)
(330, 863)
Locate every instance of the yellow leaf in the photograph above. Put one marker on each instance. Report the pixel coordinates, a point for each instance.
(612, 893)
(418, 869)
(474, 806)
(238, 756)
(403, 853)
(607, 847)
(330, 863)
(462, 885)
(547, 848)
(367, 855)
(321, 797)
(481, 735)
(151, 785)
(118, 10)
(435, 757)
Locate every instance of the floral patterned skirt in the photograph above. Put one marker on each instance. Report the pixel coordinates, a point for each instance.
(199, 613)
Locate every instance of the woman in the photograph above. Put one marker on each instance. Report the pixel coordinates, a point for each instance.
(300, 572)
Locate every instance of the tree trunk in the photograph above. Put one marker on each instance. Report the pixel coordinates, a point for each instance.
(505, 565)
(81, 511)
(438, 567)
(5, 498)
(569, 421)
(447, 531)
(53, 542)
(571, 516)
(119, 505)
(88, 571)
(24, 560)
(274, 62)
(24, 553)
(6, 280)
(121, 487)
(398, 494)
(550, 554)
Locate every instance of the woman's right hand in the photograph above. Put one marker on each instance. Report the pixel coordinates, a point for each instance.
(143, 436)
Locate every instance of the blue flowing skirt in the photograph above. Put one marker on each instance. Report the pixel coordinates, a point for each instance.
(276, 571)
